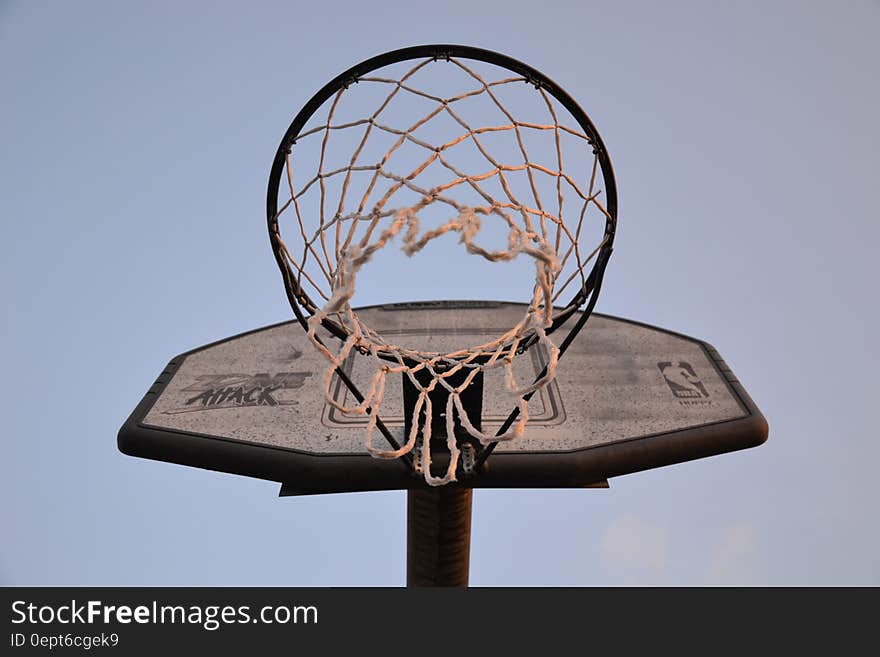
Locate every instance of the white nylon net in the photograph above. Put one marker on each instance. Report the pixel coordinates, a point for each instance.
(374, 183)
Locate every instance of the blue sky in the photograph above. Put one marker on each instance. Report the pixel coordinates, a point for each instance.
(135, 144)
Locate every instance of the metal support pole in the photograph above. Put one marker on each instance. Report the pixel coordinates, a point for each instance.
(438, 536)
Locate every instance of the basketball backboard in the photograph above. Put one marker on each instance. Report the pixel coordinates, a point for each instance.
(626, 397)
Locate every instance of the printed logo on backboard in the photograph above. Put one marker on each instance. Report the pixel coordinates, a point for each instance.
(215, 391)
(683, 381)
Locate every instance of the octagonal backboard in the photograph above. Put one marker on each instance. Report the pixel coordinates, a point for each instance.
(626, 397)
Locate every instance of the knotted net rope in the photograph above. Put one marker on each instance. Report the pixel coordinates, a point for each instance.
(344, 241)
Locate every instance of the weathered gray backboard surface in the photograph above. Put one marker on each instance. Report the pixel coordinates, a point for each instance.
(626, 397)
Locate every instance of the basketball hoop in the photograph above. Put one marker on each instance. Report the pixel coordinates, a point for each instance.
(497, 99)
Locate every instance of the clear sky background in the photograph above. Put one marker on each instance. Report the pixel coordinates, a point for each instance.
(135, 144)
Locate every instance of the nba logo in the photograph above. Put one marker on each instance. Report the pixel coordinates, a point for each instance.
(683, 380)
